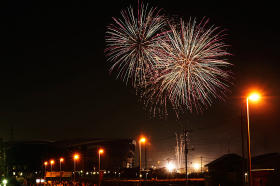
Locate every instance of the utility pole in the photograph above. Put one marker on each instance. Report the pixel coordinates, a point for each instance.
(186, 152)
(242, 143)
(201, 164)
(146, 157)
(183, 147)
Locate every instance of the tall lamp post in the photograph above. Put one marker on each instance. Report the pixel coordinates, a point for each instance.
(142, 140)
(254, 97)
(45, 164)
(76, 157)
(52, 163)
(100, 151)
(61, 160)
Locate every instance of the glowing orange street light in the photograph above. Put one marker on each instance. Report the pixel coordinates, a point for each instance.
(76, 157)
(254, 97)
(141, 140)
(52, 163)
(61, 160)
(100, 151)
(46, 164)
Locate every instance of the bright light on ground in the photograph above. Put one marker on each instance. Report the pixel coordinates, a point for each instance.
(170, 167)
(196, 166)
(4, 181)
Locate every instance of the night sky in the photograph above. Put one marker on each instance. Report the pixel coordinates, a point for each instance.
(55, 82)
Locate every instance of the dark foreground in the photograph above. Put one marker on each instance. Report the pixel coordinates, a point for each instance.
(162, 182)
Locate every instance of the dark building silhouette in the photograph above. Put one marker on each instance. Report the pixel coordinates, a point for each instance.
(2, 158)
(266, 169)
(27, 157)
(226, 170)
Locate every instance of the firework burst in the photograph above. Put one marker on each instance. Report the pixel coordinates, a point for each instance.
(132, 43)
(192, 69)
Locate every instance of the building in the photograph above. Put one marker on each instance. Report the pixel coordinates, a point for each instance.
(226, 170)
(2, 159)
(28, 157)
(266, 169)
(119, 153)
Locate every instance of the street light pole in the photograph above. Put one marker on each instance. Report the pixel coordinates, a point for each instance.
(249, 144)
(252, 97)
(142, 140)
(100, 151)
(99, 162)
(60, 173)
(74, 169)
(51, 162)
(140, 158)
(45, 163)
(60, 161)
(76, 157)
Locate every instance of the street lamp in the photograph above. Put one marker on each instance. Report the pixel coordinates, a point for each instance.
(46, 164)
(61, 160)
(253, 97)
(51, 162)
(100, 151)
(76, 157)
(141, 140)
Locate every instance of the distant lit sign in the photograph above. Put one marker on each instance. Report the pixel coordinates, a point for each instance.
(58, 174)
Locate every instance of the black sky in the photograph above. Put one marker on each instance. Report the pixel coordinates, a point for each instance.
(55, 82)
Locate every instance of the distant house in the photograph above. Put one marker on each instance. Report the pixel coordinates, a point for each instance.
(266, 161)
(265, 169)
(225, 171)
